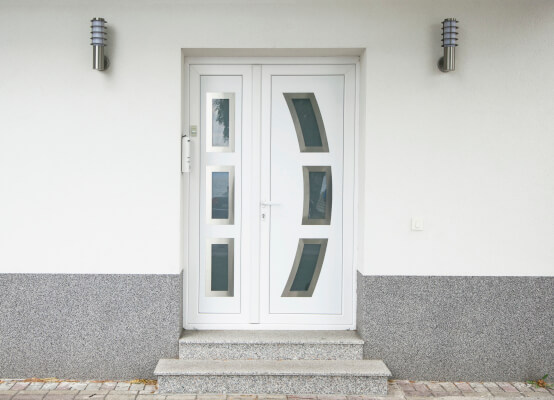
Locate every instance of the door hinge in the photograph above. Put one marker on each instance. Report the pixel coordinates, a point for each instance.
(185, 153)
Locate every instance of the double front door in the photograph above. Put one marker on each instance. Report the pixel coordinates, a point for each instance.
(269, 199)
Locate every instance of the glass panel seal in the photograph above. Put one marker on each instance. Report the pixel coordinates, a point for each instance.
(210, 97)
(328, 195)
(210, 169)
(324, 148)
(287, 292)
(230, 242)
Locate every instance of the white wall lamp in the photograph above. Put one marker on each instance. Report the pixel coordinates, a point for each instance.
(98, 41)
(449, 42)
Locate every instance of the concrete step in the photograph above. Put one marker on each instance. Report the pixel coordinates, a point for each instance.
(352, 377)
(270, 345)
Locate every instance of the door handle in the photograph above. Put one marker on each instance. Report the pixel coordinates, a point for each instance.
(269, 203)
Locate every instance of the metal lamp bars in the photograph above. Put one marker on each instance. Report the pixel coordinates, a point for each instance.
(449, 42)
(98, 41)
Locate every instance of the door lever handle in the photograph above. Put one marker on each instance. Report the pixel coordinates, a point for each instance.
(269, 203)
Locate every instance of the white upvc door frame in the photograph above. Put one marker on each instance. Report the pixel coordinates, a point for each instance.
(189, 222)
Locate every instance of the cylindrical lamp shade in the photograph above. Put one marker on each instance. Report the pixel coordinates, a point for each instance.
(449, 43)
(98, 41)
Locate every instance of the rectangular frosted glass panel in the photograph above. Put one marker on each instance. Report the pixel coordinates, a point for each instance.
(220, 195)
(220, 122)
(308, 122)
(306, 267)
(220, 267)
(318, 195)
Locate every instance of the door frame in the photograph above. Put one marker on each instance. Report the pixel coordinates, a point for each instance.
(186, 228)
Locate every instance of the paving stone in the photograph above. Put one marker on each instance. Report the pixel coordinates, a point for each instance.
(418, 396)
(507, 387)
(63, 392)
(507, 394)
(137, 386)
(20, 385)
(7, 385)
(110, 385)
(99, 391)
(406, 386)
(310, 397)
(211, 397)
(330, 397)
(93, 386)
(150, 388)
(414, 395)
(181, 396)
(65, 386)
(79, 386)
(478, 394)
(22, 396)
(151, 397)
(463, 386)
(421, 387)
(123, 386)
(272, 397)
(120, 397)
(521, 386)
(539, 389)
(241, 397)
(50, 385)
(91, 396)
(122, 393)
(7, 395)
(493, 387)
(457, 397)
(450, 387)
(541, 395)
(35, 386)
(435, 387)
(479, 387)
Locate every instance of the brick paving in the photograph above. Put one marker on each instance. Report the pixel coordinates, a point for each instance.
(12, 389)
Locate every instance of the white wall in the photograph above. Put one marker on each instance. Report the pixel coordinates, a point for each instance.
(89, 161)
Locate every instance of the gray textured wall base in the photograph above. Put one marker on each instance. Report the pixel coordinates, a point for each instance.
(88, 326)
(458, 328)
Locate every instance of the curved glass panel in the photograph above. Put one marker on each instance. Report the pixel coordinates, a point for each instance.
(306, 268)
(220, 267)
(308, 122)
(220, 122)
(318, 195)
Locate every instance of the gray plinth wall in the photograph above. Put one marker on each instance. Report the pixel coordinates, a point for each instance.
(458, 328)
(87, 326)
(119, 326)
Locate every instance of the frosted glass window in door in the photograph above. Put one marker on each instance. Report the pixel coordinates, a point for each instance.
(220, 194)
(220, 122)
(317, 195)
(220, 267)
(308, 122)
(306, 268)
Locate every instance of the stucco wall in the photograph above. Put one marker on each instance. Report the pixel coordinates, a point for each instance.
(89, 161)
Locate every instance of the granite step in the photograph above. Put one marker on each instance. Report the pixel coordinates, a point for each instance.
(351, 377)
(270, 345)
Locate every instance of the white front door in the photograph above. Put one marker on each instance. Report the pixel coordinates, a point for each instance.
(270, 213)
